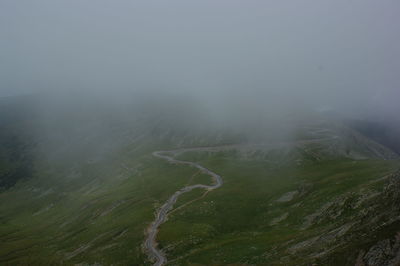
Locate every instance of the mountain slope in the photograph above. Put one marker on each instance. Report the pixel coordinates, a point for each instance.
(305, 190)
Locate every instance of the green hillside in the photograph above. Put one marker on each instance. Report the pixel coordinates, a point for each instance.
(85, 194)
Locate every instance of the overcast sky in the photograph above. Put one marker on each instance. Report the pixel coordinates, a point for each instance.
(332, 51)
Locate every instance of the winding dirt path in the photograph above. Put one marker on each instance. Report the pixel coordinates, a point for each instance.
(150, 243)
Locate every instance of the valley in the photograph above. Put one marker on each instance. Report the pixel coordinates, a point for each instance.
(162, 213)
(322, 195)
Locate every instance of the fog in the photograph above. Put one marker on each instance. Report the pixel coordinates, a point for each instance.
(341, 55)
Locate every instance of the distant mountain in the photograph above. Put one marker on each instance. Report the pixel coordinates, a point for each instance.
(79, 184)
(384, 131)
(16, 143)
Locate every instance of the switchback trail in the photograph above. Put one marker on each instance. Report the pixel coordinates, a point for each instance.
(150, 243)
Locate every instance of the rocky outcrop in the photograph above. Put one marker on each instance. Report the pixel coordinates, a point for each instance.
(360, 228)
(386, 252)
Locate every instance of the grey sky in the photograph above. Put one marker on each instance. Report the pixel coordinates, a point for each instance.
(331, 51)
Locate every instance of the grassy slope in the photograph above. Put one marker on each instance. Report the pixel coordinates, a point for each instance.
(97, 211)
(101, 215)
(97, 216)
(235, 224)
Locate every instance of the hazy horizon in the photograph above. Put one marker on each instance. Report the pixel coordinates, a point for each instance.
(212, 132)
(342, 55)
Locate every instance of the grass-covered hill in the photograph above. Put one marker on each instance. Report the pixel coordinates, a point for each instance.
(79, 186)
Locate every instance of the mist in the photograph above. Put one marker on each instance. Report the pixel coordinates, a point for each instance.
(210, 132)
(233, 60)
